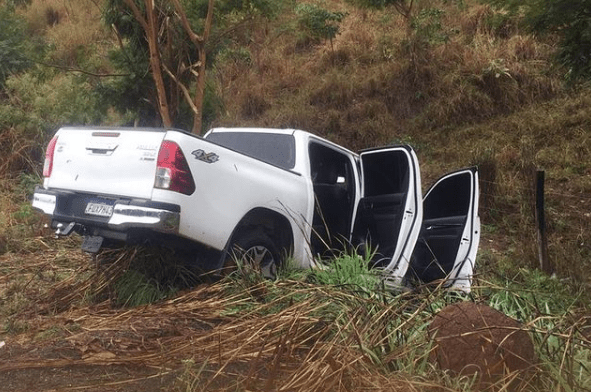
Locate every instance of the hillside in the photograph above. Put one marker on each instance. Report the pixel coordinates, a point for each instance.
(462, 82)
(467, 88)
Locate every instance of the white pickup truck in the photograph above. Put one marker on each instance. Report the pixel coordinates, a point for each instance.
(267, 193)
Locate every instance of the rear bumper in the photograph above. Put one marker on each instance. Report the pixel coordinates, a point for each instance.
(127, 214)
(158, 219)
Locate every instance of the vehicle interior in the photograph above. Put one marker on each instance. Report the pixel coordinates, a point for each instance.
(380, 211)
(445, 210)
(334, 190)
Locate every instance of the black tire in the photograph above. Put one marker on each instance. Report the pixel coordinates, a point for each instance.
(253, 250)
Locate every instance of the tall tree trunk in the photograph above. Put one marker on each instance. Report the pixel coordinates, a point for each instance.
(156, 64)
(149, 25)
(199, 41)
(199, 92)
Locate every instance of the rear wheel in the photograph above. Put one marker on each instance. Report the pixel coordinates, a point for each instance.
(253, 251)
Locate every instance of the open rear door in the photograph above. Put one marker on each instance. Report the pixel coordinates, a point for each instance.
(389, 213)
(450, 233)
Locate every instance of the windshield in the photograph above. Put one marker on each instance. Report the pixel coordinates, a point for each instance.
(276, 149)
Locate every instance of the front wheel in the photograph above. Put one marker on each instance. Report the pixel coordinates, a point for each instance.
(253, 251)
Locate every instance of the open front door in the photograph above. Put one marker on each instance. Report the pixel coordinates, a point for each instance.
(450, 232)
(389, 213)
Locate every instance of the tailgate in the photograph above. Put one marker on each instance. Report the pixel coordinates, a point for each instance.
(106, 161)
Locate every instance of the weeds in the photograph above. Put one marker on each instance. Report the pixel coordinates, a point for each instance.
(139, 275)
(74, 30)
(13, 326)
(552, 313)
(388, 332)
(134, 289)
(350, 270)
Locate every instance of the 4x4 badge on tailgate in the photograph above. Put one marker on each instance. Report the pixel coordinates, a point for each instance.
(208, 157)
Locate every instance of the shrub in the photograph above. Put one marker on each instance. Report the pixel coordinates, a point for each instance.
(567, 19)
(318, 22)
(15, 48)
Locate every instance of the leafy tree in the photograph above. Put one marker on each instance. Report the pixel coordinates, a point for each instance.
(14, 45)
(570, 20)
(165, 47)
(182, 58)
(319, 22)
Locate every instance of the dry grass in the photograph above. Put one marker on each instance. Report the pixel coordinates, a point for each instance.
(219, 337)
(21, 229)
(487, 96)
(21, 155)
(374, 63)
(73, 28)
(549, 137)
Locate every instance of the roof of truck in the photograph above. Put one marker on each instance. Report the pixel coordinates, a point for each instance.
(284, 131)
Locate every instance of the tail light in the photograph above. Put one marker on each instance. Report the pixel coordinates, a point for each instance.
(48, 165)
(172, 170)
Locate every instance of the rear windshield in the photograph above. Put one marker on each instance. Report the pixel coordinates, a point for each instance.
(273, 148)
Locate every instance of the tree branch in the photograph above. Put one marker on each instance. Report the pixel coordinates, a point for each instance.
(155, 60)
(137, 14)
(197, 40)
(70, 69)
(121, 45)
(208, 20)
(185, 90)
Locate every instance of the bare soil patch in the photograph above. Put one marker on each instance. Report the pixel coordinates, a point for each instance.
(473, 339)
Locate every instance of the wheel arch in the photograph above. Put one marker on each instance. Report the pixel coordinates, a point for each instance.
(275, 225)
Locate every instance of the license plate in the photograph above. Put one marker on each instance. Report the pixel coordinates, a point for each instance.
(99, 209)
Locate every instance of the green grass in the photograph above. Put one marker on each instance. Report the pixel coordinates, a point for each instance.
(351, 270)
(139, 275)
(133, 288)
